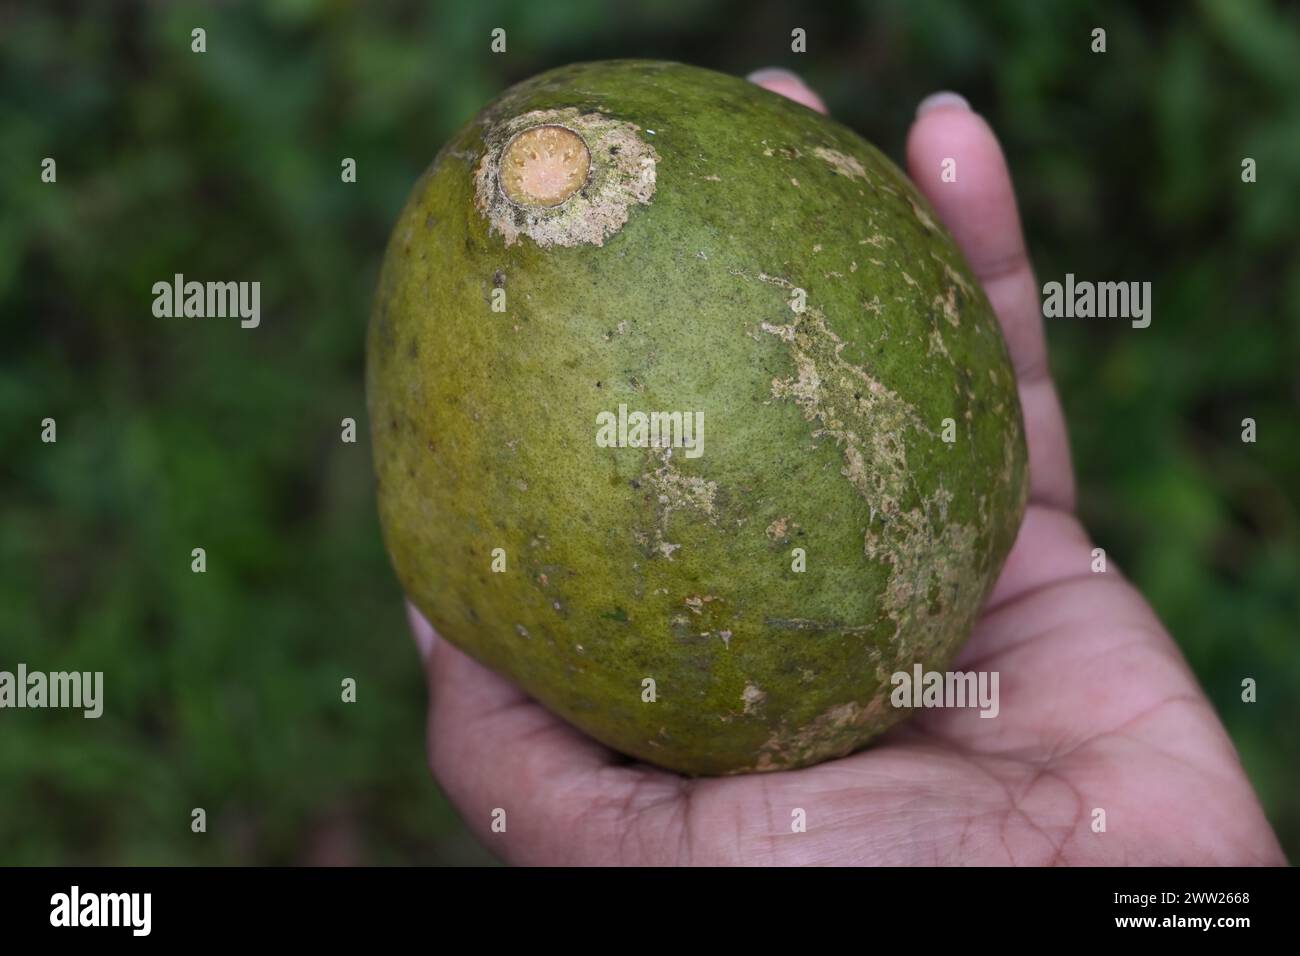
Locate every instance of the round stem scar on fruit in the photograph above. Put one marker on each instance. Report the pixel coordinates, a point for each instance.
(561, 177)
(544, 166)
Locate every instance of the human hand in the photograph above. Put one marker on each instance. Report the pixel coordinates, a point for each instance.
(1099, 709)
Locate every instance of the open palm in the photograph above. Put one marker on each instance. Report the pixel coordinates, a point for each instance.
(1105, 750)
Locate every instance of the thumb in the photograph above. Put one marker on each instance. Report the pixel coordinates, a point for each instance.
(789, 85)
(422, 631)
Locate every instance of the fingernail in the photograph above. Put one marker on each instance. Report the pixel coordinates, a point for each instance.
(945, 100)
(421, 631)
(770, 73)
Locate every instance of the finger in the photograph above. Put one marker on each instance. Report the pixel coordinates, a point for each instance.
(481, 720)
(979, 208)
(502, 758)
(422, 631)
(788, 85)
(468, 699)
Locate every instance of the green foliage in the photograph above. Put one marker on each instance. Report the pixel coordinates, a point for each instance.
(223, 688)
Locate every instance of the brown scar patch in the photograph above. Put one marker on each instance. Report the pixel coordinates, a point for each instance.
(922, 216)
(947, 304)
(674, 491)
(778, 530)
(843, 164)
(928, 555)
(832, 734)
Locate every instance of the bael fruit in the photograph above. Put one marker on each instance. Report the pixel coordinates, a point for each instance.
(668, 239)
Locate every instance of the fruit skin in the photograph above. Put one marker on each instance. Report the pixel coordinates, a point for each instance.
(823, 424)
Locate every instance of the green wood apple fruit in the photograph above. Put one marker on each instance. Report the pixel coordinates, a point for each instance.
(689, 417)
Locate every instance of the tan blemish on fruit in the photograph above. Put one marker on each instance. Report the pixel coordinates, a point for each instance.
(863, 417)
(831, 734)
(844, 165)
(936, 345)
(785, 332)
(933, 562)
(669, 492)
(655, 544)
(696, 602)
(837, 731)
(753, 698)
(929, 556)
(922, 216)
(777, 529)
(947, 304)
(953, 276)
(529, 180)
(1009, 458)
(676, 492)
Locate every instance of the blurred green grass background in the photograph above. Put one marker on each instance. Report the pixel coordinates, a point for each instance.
(223, 688)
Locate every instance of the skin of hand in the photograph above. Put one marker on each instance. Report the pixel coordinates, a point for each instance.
(1099, 708)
